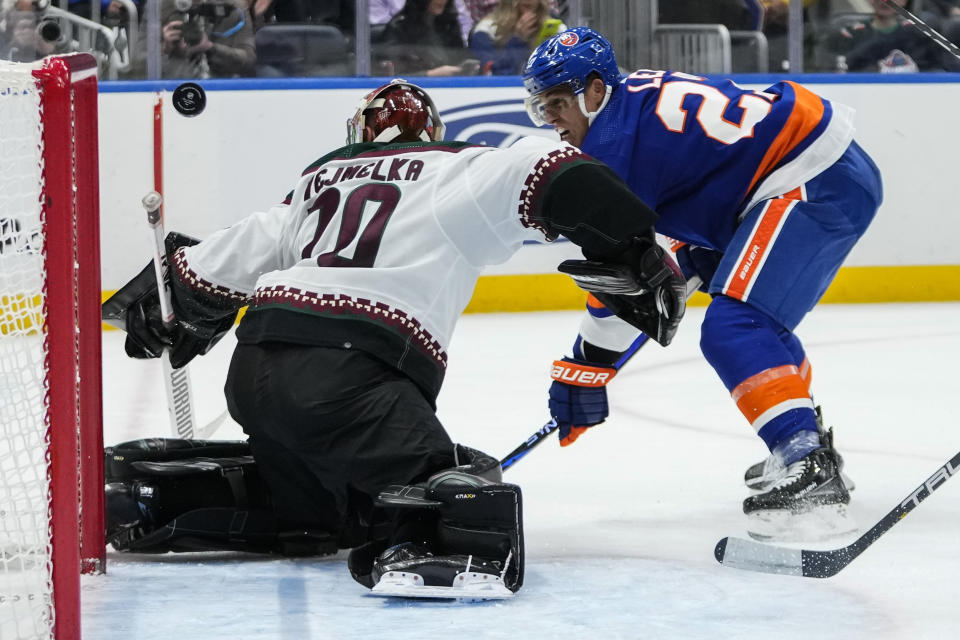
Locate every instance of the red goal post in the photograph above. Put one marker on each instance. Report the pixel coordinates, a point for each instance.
(51, 432)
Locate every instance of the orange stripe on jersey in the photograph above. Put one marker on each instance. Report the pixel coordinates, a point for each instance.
(593, 302)
(777, 387)
(675, 245)
(806, 114)
(795, 194)
(756, 248)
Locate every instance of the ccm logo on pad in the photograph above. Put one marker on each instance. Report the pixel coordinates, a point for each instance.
(581, 375)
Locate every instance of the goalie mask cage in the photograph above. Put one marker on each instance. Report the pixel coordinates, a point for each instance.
(51, 436)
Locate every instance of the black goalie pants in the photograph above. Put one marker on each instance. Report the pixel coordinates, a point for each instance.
(329, 428)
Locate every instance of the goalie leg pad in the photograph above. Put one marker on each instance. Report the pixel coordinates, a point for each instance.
(120, 459)
(162, 496)
(485, 522)
(467, 520)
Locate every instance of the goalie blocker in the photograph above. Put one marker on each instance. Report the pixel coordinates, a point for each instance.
(135, 309)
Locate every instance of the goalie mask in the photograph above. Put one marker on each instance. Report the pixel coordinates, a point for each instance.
(395, 112)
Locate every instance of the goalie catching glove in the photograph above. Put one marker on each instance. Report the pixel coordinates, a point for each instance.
(135, 308)
(578, 396)
(646, 289)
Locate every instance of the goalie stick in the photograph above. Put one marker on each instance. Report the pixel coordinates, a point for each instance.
(176, 381)
(925, 29)
(754, 556)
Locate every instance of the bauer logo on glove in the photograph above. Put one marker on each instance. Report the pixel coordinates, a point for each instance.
(581, 375)
(578, 396)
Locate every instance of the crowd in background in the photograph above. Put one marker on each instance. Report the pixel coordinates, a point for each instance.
(246, 38)
(839, 35)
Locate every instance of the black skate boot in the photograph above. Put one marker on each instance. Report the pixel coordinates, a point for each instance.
(807, 503)
(762, 475)
(412, 570)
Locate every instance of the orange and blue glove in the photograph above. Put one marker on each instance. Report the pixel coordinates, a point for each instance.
(578, 396)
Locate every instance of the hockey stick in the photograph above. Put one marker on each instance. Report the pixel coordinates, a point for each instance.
(527, 446)
(925, 29)
(754, 556)
(177, 381)
(540, 434)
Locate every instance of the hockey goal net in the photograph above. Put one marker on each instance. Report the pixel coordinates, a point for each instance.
(51, 438)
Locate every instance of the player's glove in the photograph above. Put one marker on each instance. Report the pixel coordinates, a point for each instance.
(578, 396)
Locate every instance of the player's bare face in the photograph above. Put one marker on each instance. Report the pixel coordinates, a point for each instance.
(561, 110)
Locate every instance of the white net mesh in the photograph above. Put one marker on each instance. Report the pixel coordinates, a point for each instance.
(25, 547)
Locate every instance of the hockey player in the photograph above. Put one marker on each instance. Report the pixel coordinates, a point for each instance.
(354, 284)
(768, 191)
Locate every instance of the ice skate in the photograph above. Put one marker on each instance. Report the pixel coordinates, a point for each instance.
(762, 475)
(808, 502)
(411, 571)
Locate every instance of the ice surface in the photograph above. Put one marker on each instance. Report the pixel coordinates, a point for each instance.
(621, 526)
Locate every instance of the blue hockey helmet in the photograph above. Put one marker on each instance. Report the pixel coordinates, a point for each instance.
(568, 58)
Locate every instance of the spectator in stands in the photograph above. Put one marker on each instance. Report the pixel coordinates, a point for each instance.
(480, 9)
(945, 10)
(21, 41)
(733, 14)
(944, 16)
(382, 11)
(82, 8)
(468, 13)
(883, 43)
(338, 13)
(425, 39)
(776, 26)
(196, 45)
(503, 40)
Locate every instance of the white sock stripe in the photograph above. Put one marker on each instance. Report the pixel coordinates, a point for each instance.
(779, 409)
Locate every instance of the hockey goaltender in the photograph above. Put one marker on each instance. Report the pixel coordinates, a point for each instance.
(354, 284)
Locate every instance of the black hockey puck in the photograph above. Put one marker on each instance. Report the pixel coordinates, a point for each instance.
(189, 99)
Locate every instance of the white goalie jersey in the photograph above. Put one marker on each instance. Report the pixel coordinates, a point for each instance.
(393, 235)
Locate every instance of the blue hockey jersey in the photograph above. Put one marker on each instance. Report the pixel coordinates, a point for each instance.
(702, 152)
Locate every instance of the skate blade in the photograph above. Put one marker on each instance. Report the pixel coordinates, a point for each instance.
(819, 523)
(468, 586)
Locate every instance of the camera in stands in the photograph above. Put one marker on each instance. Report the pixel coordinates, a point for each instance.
(199, 18)
(48, 28)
